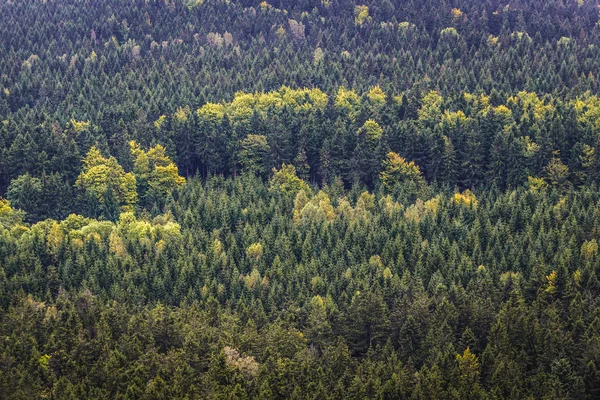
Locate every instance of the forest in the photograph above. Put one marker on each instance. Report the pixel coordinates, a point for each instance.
(309, 199)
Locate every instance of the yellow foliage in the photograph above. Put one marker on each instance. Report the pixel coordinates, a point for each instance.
(377, 96)
(95, 238)
(492, 40)
(182, 113)
(536, 184)
(479, 104)
(456, 14)
(155, 169)
(361, 14)
(399, 100)
(99, 174)
(281, 32)
(79, 126)
(303, 98)
(449, 32)
(387, 274)
(132, 229)
(286, 181)
(454, 119)
(245, 104)
(372, 130)
(317, 209)
(365, 203)
(589, 250)
(466, 198)
(55, 238)
(191, 4)
(430, 111)
(387, 204)
(204, 291)
(415, 211)
(504, 111)
(347, 274)
(347, 100)
(529, 100)
(254, 251)
(344, 208)
(531, 148)
(9, 217)
(521, 36)
(212, 112)
(252, 279)
(318, 55)
(317, 302)
(116, 245)
(551, 282)
(397, 170)
(375, 262)
(577, 277)
(299, 203)
(432, 205)
(564, 41)
(160, 121)
(405, 26)
(468, 368)
(217, 246)
(44, 361)
(588, 111)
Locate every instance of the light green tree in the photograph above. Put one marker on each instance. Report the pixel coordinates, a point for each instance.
(372, 130)
(103, 178)
(286, 181)
(9, 217)
(398, 170)
(156, 174)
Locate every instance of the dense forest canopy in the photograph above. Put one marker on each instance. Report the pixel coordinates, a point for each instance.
(316, 199)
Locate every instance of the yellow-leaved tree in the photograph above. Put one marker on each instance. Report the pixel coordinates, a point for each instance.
(105, 182)
(285, 181)
(9, 217)
(430, 112)
(398, 171)
(155, 173)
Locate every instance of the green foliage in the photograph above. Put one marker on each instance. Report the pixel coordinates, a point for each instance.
(469, 272)
(347, 101)
(362, 14)
(372, 130)
(449, 33)
(398, 171)
(25, 193)
(430, 112)
(557, 173)
(253, 154)
(9, 217)
(105, 181)
(359, 285)
(155, 173)
(287, 182)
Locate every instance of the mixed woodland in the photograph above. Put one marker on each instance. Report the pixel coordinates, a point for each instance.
(316, 199)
